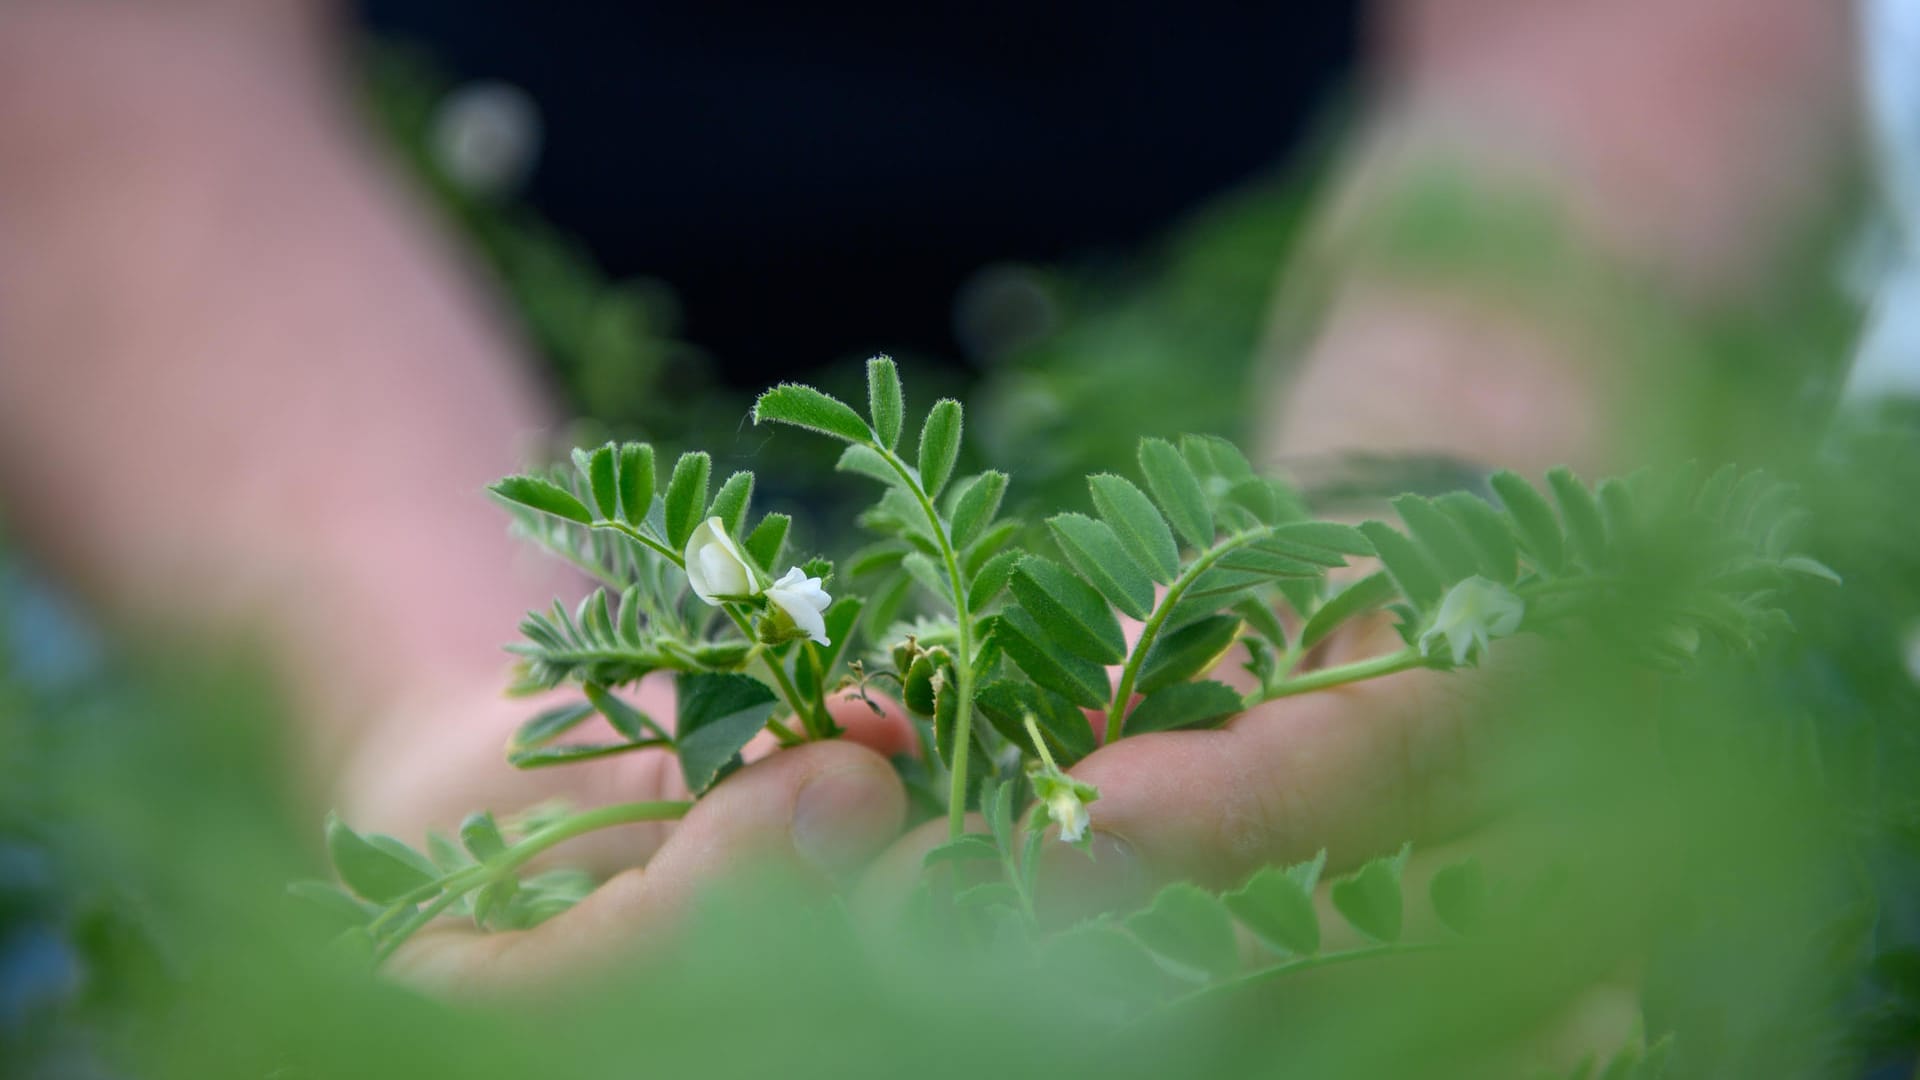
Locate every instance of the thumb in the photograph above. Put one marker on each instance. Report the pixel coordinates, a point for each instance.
(822, 810)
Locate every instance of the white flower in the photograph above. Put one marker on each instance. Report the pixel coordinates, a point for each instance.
(802, 598)
(1473, 612)
(1068, 812)
(715, 567)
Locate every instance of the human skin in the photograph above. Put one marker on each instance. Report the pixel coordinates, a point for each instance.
(207, 273)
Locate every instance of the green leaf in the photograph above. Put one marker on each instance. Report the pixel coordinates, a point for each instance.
(939, 445)
(636, 482)
(1370, 898)
(987, 895)
(971, 847)
(1177, 491)
(1533, 520)
(885, 403)
(1184, 705)
(973, 511)
(928, 575)
(481, 836)
(544, 496)
(767, 539)
(1138, 524)
(548, 725)
(1492, 539)
(1190, 927)
(541, 757)
(1302, 538)
(916, 685)
(868, 462)
(1096, 552)
(1416, 577)
(1800, 564)
(991, 578)
(1076, 617)
(339, 908)
(1443, 540)
(1459, 895)
(371, 872)
(600, 470)
(718, 714)
(730, 503)
(686, 496)
(1082, 682)
(626, 719)
(1581, 514)
(1279, 910)
(1188, 651)
(803, 406)
(1364, 595)
(1005, 703)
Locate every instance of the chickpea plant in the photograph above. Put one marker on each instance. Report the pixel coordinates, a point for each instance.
(1019, 636)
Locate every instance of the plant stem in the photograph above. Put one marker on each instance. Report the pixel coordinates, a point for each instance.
(1123, 691)
(1307, 963)
(1372, 668)
(963, 649)
(787, 689)
(459, 883)
(637, 536)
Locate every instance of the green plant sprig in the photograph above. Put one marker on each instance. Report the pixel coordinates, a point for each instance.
(1205, 553)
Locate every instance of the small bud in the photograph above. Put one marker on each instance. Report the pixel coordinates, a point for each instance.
(1473, 612)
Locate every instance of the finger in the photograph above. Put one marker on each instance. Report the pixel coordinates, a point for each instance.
(820, 811)
(886, 732)
(1357, 770)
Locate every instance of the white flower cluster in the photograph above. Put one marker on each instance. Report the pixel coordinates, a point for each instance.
(719, 573)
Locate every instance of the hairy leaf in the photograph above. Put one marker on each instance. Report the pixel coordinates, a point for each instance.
(686, 497)
(1365, 595)
(1142, 531)
(1096, 552)
(978, 501)
(971, 847)
(1444, 542)
(1459, 896)
(718, 714)
(1581, 514)
(549, 725)
(731, 501)
(1075, 616)
(626, 719)
(636, 482)
(884, 400)
(939, 445)
(1184, 705)
(602, 481)
(1177, 491)
(868, 462)
(803, 406)
(991, 578)
(1418, 581)
(1005, 704)
(544, 496)
(1188, 651)
(1082, 682)
(1492, 539)
(481, 836)
(767, 539)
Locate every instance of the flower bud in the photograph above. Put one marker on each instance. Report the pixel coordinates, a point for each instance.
(1473, 612)
(715, 568)
(799, 602)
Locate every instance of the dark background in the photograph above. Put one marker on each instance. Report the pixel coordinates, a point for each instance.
(817, 181)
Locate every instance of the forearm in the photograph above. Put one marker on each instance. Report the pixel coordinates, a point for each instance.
(1686, 145)
(240, 380)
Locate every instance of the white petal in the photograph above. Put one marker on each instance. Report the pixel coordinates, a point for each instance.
(801, 607)
(715, 567)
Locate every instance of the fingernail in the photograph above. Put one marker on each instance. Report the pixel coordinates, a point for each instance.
(837, 820)
(1108, 876)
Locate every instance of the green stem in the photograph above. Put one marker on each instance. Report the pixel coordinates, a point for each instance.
(1372, 668)
(627, 530)
(461, 882)
(787, 689)
(1123, 692)
(1307, 963)
(963, 649)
